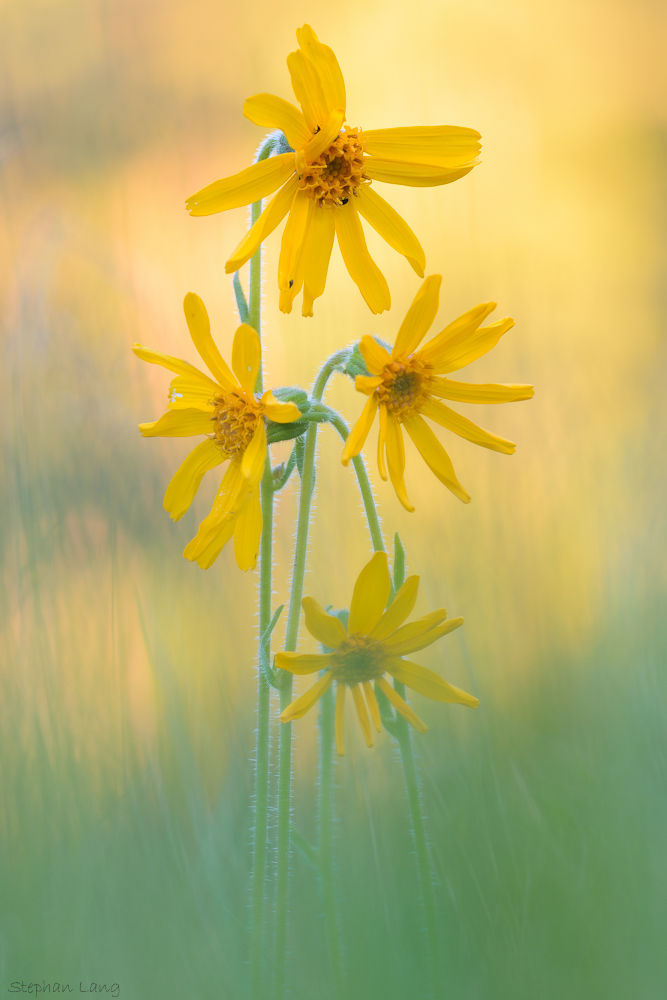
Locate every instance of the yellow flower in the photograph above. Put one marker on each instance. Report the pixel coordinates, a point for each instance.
(226, 410)
(373, 645)
(325, 181)
(406, 386)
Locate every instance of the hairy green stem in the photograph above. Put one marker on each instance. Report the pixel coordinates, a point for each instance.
(285, 747)
(365, 487)
(325, 834)
(262, 752)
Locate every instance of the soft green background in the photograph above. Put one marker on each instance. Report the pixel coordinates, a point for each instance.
(127, 711)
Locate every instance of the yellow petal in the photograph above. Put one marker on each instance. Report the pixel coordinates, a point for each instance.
(293, 237)
(465, 428)
(382, 442)
(272, 216)
(186, 481)
(438, 145)
(246, 357)
(178, 423)
(200, 331)
(173, 364)
(229, 497)
(367, 384)
(359, 432)
(413, 174)
(396, 460)
(251, 184)
(320, 239)
(362, 712)
(371, 592)
(307, 89)
(487, 392)
(273, 112)
(247, 532)
(419, 317)
(254, 457)
(413, 630)
(391, 227)
(435, 455)
(207, 544)
(429, 684)
(399, 609)
(374, 354)
(324, 138)
(362, 268)
(191, 392)
(340, 718)
(325, 628)
(298, 708)
(303, 663)
(326, 67)
(280, 413)
(373, 706)
(462, 341)
(400, 646)
(401, 706)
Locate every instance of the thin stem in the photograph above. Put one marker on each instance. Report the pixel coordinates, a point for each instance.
(365, 487)
(262, 753)
(325, 847)
(285, 746)
(263, 742)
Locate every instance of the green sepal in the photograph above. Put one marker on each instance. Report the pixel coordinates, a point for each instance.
(293, 394)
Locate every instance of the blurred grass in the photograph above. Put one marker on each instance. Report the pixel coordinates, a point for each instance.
(126, 727)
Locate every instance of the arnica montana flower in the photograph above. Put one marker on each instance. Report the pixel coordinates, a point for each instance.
(226, 410)
(373, 645)
(407, 385)
(325, 181)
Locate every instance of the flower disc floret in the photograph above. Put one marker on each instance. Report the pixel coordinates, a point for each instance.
(337, 174)
(357, 659)
(405, 387)
(235, 419)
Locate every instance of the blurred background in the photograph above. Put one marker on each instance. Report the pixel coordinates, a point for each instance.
(128, 674)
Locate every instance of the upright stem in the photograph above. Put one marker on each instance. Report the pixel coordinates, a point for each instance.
(325, 852)
(404, 737)
(263, 743)
(285, 751)
(262, 754)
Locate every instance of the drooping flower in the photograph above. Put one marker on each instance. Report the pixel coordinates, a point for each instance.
(226, 410)
(408, 385)
(373, 645)
(325, 179)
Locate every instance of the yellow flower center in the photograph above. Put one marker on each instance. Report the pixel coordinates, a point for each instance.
(358, 659)
(334, 177)
(234, 421)
(405, 387)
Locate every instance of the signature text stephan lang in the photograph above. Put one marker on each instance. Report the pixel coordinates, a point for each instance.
(37, 988)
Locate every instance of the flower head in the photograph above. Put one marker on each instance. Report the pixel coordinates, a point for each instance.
(324, 181)
(408, 385)
(224, 409)
(372, 645)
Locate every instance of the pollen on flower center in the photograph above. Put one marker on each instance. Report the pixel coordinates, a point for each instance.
(234, 422)
(405, 387)
(336, 175)
(358, 659)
